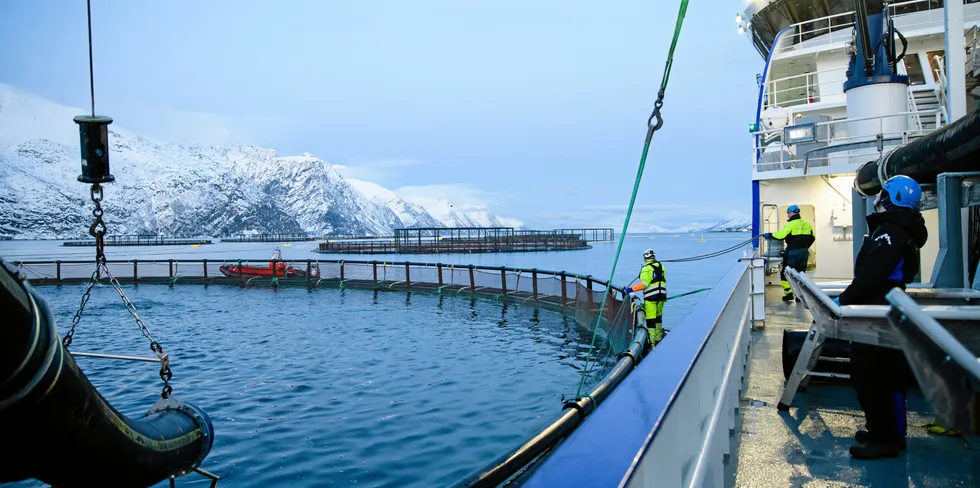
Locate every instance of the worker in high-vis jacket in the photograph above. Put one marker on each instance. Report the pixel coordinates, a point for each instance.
(653, 282)
(798, 236)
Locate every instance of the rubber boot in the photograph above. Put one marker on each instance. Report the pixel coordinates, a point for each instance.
(862, 436)
(874, 450)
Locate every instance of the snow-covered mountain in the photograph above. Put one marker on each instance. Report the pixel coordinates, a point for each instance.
(730, 226)
(447, 213)
(734, 225)
(410, 214)
(178, 190)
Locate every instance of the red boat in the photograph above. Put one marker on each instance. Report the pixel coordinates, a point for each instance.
(276, 269)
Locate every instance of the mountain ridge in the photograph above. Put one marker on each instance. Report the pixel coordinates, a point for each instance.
(181, 190)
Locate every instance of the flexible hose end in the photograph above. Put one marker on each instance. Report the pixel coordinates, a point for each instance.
(867, 182)
(200, 421)
(203, 421)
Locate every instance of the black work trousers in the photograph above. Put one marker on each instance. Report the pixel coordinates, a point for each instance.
(879, 376)
(794, 259)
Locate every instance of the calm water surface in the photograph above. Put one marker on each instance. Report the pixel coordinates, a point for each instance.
(342, 387)
(337, 387)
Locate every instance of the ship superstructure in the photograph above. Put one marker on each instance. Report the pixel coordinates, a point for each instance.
(812, 132)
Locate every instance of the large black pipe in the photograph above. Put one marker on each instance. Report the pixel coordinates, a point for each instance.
(510, 463)
(954, 148)
(55, 425)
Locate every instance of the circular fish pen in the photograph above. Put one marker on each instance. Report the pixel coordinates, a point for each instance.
(427, 286)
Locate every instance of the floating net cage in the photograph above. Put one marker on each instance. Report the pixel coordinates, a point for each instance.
(617, 348)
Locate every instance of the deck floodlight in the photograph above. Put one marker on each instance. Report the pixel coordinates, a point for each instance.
(738, 18)
(93, 131)
(741, 29)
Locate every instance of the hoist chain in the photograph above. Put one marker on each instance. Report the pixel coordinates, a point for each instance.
(66, 341)
(98, 230)
(165, 373)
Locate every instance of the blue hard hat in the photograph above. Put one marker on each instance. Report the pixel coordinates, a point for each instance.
(793, 208)
(903, 191)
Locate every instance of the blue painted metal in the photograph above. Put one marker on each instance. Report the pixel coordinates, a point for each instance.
(762, 88)
(950, 269)
(756, 213)
(881, 71)
(756, 202)
(604, 449)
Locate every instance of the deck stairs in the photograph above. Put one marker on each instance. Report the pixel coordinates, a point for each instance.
(923, 101)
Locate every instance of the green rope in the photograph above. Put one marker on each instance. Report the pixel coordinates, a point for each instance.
(594, 403)
(651, 128)
(699, 290)
(673, 44)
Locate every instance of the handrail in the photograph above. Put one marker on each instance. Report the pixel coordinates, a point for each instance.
(940, 80)
(799, 33)
(773, 93)
(839, 143)
(648, 431)
(809, 73)
(844, 147)
(318, 261)
(855, 119)
(946, 368)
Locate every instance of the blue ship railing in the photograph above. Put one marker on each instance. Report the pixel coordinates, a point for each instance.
(669, 422)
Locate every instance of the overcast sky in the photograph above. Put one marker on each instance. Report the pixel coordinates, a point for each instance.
(537, 108)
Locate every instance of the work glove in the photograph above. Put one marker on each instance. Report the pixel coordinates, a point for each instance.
(627, 290)
(837, 301)
(767, 235)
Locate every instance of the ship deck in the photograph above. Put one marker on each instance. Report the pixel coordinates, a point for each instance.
(808, 445)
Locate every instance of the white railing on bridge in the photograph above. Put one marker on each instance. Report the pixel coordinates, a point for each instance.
(806, 88)
(837, 28)
(670, 422)
(838, 145)
(972, 53)
(940, 79)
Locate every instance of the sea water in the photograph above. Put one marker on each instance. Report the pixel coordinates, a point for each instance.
(339, 387)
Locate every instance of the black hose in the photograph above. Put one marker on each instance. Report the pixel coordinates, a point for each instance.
(954, 148)
(506, 465)
(905, 46)
(48, 406)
